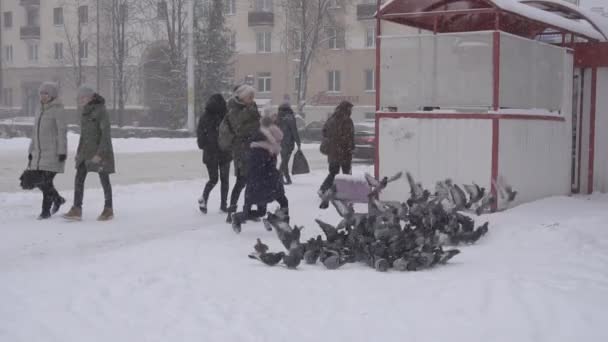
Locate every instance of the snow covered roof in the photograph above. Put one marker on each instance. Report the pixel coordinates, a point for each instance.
(518, 17)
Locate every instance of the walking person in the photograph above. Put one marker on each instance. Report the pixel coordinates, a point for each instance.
(94, 154)
(291, 138)
(216, 160)
(48, 147)
(264, 183)
(339, 138)
(242, 121)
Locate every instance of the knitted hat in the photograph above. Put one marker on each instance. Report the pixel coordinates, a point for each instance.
(50, 88)
(85, 91)
(243, 91)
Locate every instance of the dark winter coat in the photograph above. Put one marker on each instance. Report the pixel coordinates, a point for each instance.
(49, 138)
(95, 137)
(340, 132)
(287, 123)
(207, 132)
(264, 183)
(245, 122)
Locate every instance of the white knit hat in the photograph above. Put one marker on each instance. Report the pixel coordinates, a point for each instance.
(85, 91)
(51, 88)
(243, 91)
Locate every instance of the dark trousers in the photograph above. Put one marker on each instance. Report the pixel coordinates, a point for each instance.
(218, 171)
(81, 176)
(261, 209)
(284, 167)
(240, 184)
(334, 169)
(49, 193)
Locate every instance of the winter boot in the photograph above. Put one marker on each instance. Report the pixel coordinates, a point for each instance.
(287, 179)
(57, 203)
(75, 214)
(106, 215)
(237, 221)
(224, 207)
(231, 210)
(45, 214)
(202, 205)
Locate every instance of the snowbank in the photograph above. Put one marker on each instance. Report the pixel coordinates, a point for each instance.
(125, 145)
(163, 272)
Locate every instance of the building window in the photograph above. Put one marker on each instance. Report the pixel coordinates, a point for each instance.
(263, 40)
(233, 40)
(84, 49)
(32, 17)
(58, 16)
(335, 38)
(333, 81)
(83, 14)
(58, 51)
(161, 10)
(370, 37)
(32, 52)
(230, 7)
(334, 4)
(264, 82)
(370, 80)
(8, 19)
(296, 40)
(262, 5)
(7, 97)
(8, 53)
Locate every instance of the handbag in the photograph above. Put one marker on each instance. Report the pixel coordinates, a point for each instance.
(300, 164)
(30, 179)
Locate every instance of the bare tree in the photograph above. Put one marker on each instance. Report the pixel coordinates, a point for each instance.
(214, 51)
(169, 25)
(75, 38)
(310, 24)
(122, 40)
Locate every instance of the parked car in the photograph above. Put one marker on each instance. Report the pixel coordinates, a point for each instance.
(312, 132)
(365, 140)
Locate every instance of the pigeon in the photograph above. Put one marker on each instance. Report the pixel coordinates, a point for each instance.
(331, 259)
(381, 265)
(504, 190)
(311, 256)
(287, 235)
(269, 259)
(400, 264)
(475, 193)
(260, 248)
(416, 190)
(331, 233)
(486, 203)
(293, 259)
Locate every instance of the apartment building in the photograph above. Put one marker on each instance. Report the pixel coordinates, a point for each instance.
(37, 42)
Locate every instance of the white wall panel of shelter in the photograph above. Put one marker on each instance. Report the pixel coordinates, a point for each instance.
(535, 157)
(433, 150)
(600, 173)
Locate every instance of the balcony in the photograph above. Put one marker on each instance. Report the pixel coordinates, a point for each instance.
(30, 32)
(29, 2)
(366, 11)
(261, 19)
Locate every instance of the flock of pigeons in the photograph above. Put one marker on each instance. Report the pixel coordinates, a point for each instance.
(408, 236)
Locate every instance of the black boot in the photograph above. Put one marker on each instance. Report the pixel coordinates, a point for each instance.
(230, 211)
(237, 220)
(47, 201)
(224, 207)
(287, 179)
(202, 205)
(57, 203)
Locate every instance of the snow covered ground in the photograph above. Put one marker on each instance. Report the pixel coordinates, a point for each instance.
(123, 145)
(163, 272)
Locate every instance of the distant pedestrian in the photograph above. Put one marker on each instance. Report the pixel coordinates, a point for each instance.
(264, 183)
(95, 153)
(291, 138)
(339, 141)
(239, 125)
(48, 147)
(216, 160)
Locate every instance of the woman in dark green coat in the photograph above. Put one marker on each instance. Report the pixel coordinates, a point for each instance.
(94, 153)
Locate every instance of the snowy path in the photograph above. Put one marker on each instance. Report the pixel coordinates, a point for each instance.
(162, 272)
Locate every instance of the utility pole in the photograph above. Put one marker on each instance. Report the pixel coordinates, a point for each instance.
(2, 99)
(97, 58)
(190, 67)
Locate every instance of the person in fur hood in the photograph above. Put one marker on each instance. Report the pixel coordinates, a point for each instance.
(264, 184)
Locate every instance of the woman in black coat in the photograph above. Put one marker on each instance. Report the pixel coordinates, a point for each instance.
(291, 138)
(263, 179)
(216, 160)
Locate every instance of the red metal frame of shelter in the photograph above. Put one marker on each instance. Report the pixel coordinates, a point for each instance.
(445, 16)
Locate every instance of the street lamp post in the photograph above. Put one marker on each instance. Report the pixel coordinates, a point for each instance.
(190, 66)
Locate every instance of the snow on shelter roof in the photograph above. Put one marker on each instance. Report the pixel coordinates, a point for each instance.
(479, 15)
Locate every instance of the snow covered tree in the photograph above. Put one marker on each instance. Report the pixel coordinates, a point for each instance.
(214, 52)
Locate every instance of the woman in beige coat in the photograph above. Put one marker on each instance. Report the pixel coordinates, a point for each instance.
(48, 148)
